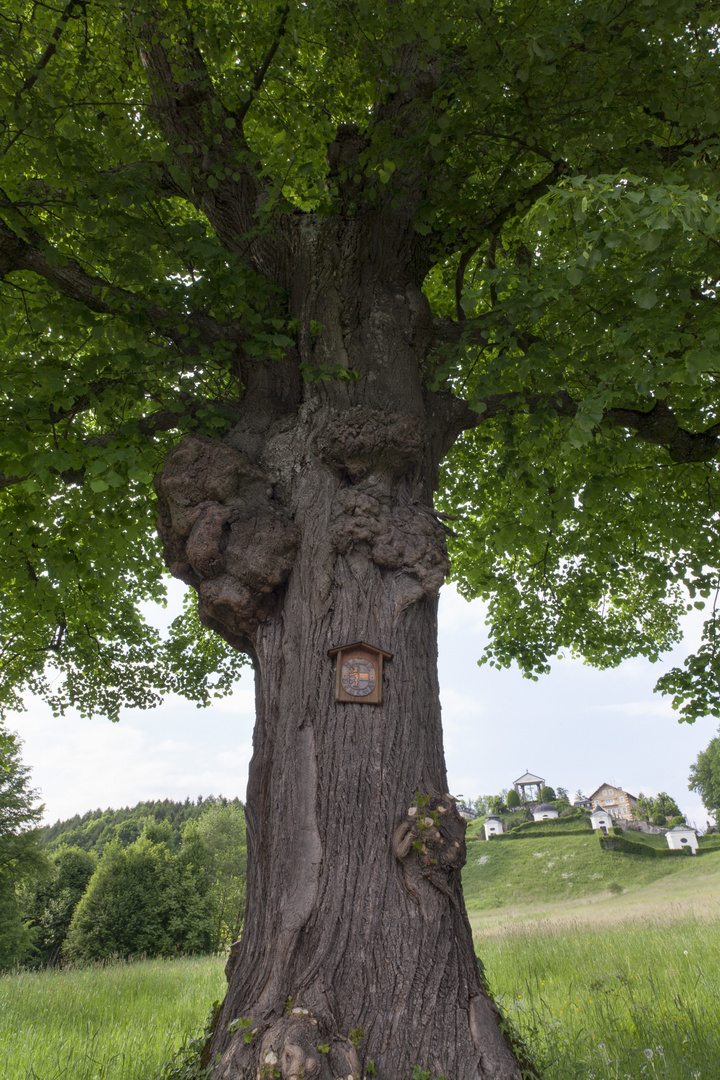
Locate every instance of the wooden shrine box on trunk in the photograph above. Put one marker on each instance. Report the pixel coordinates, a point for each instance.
(359, 672)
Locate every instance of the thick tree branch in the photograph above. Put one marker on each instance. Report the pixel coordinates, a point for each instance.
(262, 71)
(658, 425)
(459, 281)
(187, 332)
(210, 149)
(406, 112)
(50, 49)
(497, 217)
(42, 63)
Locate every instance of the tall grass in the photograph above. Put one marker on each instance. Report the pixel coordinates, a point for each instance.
(640, 1000)
(624, 1002)
(113, 1021)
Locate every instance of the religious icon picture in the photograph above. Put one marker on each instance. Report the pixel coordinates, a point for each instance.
(358, 672)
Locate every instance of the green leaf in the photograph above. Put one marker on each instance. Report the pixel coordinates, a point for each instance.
(645, 298)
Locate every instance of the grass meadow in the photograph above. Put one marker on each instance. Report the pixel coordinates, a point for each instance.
(113, 1021)
(634, 999)
(554, 869)
(602, 984)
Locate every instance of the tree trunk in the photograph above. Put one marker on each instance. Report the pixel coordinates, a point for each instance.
(309, 527)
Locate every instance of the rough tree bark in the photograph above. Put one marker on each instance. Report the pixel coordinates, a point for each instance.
(309, 526)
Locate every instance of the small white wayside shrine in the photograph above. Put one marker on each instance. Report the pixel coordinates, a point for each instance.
(543, 812)
(600, 819)
(680, 837)
(492, 826)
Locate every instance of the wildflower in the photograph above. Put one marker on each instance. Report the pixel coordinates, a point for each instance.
(648, 1054)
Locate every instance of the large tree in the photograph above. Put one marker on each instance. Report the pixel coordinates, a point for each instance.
(705, 777)
(21, 854)
(314, 266)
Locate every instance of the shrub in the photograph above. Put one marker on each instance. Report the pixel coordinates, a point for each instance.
(554, 827)
(49, 906)
(616, 840)
(547, 794)
(143, 899)
(574, 821)
(513, 799)
(222, 830)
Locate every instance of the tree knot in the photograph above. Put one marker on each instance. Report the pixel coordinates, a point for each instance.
(224, 532)
(431, 839)
(361, 441)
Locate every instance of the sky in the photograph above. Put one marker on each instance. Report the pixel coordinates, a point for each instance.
(577, 728)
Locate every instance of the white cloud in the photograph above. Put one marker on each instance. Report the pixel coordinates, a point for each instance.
(652, 707)
(170, 752)
(457, 706)
(458, 615)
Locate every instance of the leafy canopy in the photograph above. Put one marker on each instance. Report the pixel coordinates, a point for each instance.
(562, 160)
(705, 776)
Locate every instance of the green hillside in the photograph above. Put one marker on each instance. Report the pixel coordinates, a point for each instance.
(547, 868)
(94, 830)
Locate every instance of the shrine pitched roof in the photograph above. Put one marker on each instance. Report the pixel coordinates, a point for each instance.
(528, 778)
(359, 645)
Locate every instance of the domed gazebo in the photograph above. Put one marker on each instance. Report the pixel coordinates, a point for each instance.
(543, 812)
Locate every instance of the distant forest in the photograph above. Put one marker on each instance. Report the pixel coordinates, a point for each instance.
(94, 830)
(161, 878)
